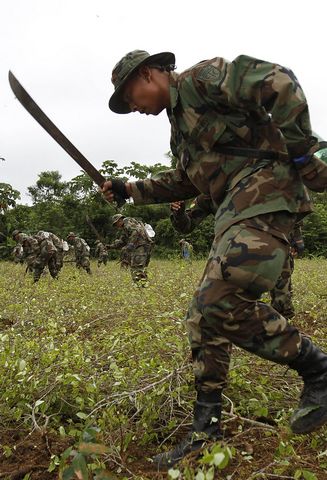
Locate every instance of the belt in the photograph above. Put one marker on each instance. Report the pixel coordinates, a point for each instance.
(251, 152)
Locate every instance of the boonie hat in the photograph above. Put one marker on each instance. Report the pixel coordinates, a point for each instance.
(117, 217)
(15, 232)
(124, 69)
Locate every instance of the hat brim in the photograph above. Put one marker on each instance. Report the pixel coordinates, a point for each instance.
(116, 102)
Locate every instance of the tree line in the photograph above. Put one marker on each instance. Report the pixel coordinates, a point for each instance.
(77, 205)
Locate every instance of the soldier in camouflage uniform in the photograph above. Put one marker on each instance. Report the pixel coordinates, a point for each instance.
(137, 243)
(82, 252)
(241, 134)
(38, 252)
(101, 253)
(185, 221)
(18, 253)
(59, 245)
(46, 256)
(186, 249)
(125, 258)
(30, 248)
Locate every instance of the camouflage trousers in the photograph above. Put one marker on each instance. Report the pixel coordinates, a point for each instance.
(103, 258)
(125, 258)
(244, 262)
(30, 259)
(281, 295)
(139, 261)
(41, 262)
(83, 262)
(59, 259)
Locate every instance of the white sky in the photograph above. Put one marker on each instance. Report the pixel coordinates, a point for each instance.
(63, 51)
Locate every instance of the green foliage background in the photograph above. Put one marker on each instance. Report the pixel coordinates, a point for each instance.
(63, 206)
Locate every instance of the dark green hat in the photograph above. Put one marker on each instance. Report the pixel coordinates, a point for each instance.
(126, 67)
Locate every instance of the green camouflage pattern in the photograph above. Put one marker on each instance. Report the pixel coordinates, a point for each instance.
(18, 253)
(39, 252)
(82, 252)
(125, 258)
(185, 221)
(281, 294)
(245, 103)
(46, 257)
(58, 243)
(137, 246)
(101, 253)
(243, 263)
(30, 249)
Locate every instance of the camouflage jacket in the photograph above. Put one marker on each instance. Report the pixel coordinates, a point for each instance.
(186, 221)
(203, 206)
(30, 245)
(81, 248)
(18, 251)
(134, 235)
(247, 103)
(58, 243)
(100, 250)
(46, 248)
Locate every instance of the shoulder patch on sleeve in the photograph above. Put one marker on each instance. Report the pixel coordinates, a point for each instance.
(208, 73)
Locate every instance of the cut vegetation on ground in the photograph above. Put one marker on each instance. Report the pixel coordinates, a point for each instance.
(95, 378)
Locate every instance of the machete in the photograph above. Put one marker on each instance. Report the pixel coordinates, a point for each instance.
(31, 106)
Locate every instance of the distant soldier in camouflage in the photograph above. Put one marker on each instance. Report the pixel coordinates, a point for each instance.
(46, 256)
(82, 252)
(18, 253)
(30, 248)
(137, 243)
(59, 245)
(241, 133)
(101, 253)
(38, 252)
(186, 249)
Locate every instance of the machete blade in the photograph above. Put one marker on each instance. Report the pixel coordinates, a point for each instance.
(31, 106)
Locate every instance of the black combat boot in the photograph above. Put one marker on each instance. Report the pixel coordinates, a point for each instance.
(206, 426)
(311, 364)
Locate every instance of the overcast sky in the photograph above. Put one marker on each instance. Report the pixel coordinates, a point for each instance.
(63, 51)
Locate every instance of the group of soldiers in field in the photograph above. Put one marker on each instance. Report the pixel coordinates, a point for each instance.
(245, 150)
(45, 249)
